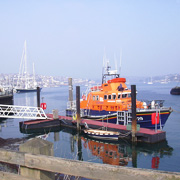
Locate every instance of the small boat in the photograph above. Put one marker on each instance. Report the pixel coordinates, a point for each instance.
(111, 102)
(150, 82)
(102, 134)
(175, 90)
(26, 90)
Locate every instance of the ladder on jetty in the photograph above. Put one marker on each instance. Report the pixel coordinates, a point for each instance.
(26, 112)
(124, 116)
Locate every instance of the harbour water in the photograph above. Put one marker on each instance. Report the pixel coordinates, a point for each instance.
(68, 144)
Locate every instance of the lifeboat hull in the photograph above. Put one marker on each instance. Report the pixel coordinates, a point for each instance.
(144, 117)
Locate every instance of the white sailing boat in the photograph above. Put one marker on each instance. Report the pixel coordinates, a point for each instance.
(25, 82)
(150, 82)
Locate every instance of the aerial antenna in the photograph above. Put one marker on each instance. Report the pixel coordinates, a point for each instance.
(103, 68)
(115, 62)
(33, 75)
(120, 62)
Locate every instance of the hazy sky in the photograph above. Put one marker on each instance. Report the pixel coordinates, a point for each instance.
(68, 38)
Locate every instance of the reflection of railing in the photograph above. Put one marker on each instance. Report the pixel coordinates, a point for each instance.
(27, 112)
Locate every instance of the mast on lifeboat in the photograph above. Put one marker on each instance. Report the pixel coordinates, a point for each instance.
(107, 72)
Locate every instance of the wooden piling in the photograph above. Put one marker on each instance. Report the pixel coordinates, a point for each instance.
(133, 109)
(37, 146)
(78, 106)
(38, 96)
(55, 114)
(70, 92)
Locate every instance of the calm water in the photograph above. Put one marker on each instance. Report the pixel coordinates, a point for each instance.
(67, 144)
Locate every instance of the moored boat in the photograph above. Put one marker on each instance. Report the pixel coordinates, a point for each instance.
(175, 90)
(111, 102)
(26, 90)
(102, 134)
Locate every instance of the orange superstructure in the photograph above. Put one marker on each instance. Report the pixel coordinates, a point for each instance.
(110, 96)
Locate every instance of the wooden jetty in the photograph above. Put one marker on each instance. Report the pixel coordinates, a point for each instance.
(143, 135)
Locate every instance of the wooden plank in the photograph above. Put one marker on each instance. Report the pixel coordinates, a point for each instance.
(12, 176)
(11, 157)
(83, 169)
(94, 170)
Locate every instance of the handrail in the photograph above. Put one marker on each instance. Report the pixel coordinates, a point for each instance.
(27, 112)
(79, 168)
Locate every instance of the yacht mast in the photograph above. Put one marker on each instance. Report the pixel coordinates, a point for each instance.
(25, 66)
(34, 76)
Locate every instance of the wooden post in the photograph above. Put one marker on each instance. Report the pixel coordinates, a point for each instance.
(70, 92)
(37, 146)
(78, 106)
(55, 114)
(133, 108)
(38, 97)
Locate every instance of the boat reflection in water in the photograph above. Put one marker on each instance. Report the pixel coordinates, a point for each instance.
(110, 153)
(123, 152)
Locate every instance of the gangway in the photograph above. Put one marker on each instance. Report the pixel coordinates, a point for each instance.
(26, 112)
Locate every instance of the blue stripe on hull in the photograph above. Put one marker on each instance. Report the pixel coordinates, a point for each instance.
(143, 119)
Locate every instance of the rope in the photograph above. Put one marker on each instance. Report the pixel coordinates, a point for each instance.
(176, 111)
(124, 135)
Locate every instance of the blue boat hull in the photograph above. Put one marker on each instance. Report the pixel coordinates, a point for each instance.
(144, 119)
(26, 90)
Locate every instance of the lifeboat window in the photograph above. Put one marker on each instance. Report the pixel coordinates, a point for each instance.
(114, 96)
(119, 96)
(124, 95)
(97, 98)
(105, 97)
(109, 96)
(129, 95)
(93, 98)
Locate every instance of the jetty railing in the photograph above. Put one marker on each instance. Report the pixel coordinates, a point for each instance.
(26, 112)
(89, 170)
